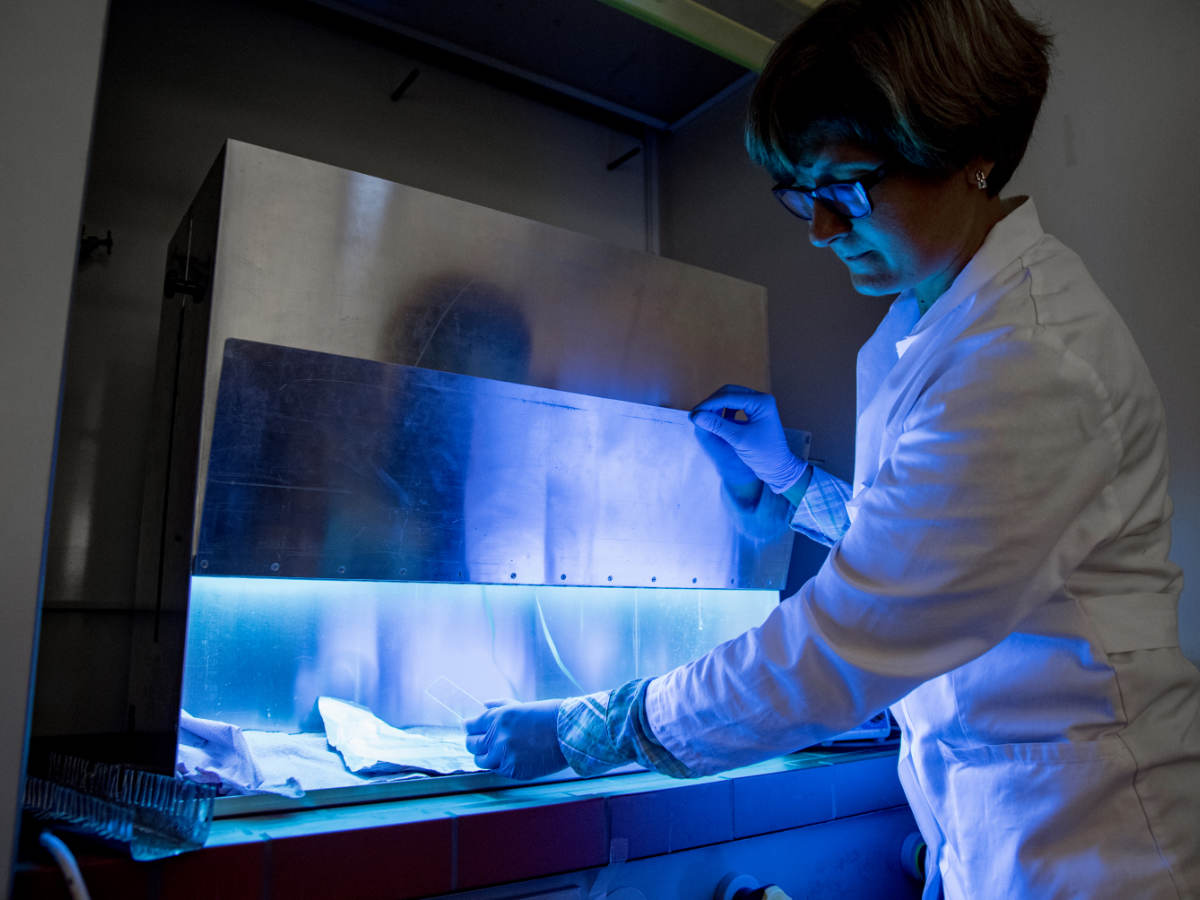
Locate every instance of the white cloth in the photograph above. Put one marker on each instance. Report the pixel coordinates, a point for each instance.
(357, 749)
(220, 754)
(1005, 584)
(370, 746)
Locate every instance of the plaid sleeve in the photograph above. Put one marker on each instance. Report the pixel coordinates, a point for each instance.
(821, 512)
(601, 731)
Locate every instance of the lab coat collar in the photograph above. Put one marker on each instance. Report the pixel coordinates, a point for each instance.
(1008, 239)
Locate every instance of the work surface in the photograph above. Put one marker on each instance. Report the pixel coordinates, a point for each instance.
(434, 845)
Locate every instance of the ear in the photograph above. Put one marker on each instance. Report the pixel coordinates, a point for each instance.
(975, 168)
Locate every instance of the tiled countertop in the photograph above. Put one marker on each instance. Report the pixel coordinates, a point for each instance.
(434, 845)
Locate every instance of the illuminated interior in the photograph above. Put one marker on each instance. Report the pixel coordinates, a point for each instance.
(422, 656)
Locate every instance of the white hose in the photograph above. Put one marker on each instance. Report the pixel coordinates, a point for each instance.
(66, 861)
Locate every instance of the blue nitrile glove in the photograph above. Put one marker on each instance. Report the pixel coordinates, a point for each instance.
(518, 740)
(759, 441)
(738, 478)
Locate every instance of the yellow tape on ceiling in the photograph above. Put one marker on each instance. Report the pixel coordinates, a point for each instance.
(698, 24)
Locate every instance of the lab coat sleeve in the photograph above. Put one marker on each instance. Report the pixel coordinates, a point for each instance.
(995, 489)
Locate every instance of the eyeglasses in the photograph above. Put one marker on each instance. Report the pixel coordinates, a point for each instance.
(846, 198)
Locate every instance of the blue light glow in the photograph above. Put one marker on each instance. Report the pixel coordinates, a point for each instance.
(261, 650)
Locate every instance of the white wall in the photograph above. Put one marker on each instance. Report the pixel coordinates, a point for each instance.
(179, 78)
(1113, 168)
(49, 58)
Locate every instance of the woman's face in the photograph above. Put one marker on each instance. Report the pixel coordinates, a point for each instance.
(920, 232)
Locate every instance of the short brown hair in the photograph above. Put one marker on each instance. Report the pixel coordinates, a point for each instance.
(932, 83)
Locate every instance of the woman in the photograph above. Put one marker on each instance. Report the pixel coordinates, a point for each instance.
(999, 571)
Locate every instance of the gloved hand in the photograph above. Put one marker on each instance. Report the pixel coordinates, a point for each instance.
(518, 740)
(738, 478)
(759, 441)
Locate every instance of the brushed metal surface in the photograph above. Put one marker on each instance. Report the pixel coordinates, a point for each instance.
(261, 651)
(319, 258)
(327, 466)
(282, 251)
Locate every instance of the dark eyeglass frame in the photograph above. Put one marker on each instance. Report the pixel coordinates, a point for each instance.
(848, 199)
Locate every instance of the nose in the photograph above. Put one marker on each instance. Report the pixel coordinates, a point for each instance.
(826, 225)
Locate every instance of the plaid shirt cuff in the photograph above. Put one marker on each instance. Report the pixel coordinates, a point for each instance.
(601, 731)
(821, 513)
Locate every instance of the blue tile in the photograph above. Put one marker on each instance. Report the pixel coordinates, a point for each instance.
(779, 800)
(700, 814)
(686, 815)
(643, 820)
(864, 785)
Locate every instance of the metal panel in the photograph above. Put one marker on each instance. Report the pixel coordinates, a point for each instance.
(285, 251)
(327, 466)
(261, 651)
(319, 258)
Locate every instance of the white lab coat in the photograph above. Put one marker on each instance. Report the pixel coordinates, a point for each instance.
(1004, 585)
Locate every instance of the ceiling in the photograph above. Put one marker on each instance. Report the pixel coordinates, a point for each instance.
(606, 55)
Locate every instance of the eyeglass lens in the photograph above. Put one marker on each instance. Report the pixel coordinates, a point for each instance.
(849, 200)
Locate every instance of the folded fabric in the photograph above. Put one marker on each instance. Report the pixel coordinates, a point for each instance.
(370, 746)
(217, 753)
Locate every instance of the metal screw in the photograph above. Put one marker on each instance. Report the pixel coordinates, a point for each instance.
(562, 577)
(204, 563)
(693, 581)
(341, 570)
(512, 574)
(610, 578)
(653, 578)
(274, 567)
